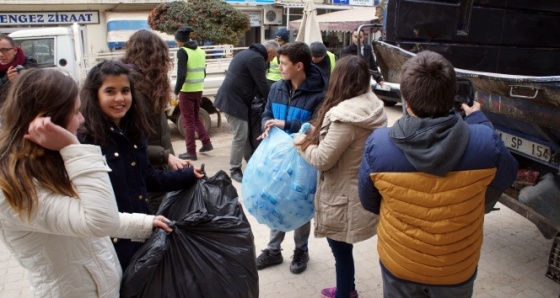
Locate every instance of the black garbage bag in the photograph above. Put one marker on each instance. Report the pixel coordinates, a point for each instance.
(210, 253)
(255, 117)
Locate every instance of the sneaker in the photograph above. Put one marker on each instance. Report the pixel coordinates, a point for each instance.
(236, 175)
(187, 156)
(331, 293)
(299, 261)
(206, 148)
(268, 258)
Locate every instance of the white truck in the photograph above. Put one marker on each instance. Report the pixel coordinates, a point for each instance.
(63, 47)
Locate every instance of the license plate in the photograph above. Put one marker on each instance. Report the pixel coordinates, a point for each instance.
(525, 146)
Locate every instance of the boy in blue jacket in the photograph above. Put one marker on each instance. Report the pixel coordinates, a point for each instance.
(291, 102)
(431, 177)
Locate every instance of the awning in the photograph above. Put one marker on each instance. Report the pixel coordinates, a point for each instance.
(342, 21)
(121, 25)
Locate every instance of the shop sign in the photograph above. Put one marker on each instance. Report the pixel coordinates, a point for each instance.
(361, 2)
(254, 18)
(251, 1)
(49, 17)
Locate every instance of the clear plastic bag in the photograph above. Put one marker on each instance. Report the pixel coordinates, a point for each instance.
(278, 186)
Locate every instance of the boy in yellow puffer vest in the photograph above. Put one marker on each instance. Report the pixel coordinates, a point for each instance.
(431, 177)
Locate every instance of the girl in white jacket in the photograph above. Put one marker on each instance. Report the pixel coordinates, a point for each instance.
(57, 207)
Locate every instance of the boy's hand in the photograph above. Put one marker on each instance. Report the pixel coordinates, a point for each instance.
(469, 110)
(269, 124)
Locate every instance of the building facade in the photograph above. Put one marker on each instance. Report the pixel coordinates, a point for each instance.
(105, 25)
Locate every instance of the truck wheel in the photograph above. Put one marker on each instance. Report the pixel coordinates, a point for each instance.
(204, 118)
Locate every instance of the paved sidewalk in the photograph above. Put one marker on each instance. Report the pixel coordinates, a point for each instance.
(513, 262)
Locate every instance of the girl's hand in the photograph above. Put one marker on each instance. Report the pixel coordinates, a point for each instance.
(198, 173)
(49, 135)
(176, 163)
(161, 222)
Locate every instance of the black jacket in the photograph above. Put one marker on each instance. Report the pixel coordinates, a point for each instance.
(132, 176)
(5, 83)
(368, 55)
(245, 79)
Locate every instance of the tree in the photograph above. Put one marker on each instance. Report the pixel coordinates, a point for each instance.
(212, 20)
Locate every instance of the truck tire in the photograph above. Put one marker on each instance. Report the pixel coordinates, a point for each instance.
(204, 118)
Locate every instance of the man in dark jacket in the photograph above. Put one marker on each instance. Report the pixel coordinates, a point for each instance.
(430, 178)
(12, 60)
(245, 79)
(365, 51)
(292, 101)
(322, 58)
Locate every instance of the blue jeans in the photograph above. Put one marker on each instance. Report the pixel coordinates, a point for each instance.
(344, 265)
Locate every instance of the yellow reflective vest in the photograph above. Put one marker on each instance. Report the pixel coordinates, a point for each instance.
(332, 58)
(273, 73)
(196, 64)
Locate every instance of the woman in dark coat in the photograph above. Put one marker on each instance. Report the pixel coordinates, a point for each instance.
(115, 120)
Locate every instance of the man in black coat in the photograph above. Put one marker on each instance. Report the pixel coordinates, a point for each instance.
(245, 79)
(366, 52)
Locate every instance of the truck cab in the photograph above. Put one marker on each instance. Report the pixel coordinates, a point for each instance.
(51, 47)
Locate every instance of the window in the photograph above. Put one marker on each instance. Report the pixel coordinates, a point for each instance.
(41, 50)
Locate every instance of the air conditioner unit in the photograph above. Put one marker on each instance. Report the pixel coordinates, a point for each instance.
(272, 16)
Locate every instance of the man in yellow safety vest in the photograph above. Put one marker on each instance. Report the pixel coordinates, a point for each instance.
(273, 74)
(191, 70)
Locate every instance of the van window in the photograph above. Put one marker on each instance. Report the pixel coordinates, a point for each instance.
(41, 50)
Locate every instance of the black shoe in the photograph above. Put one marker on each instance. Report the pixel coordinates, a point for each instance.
(206, 148)
(187, 156)
(268, 258)
(236, 175)
(299, 261)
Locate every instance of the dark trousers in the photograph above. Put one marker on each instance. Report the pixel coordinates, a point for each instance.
(189, 103)
(397, 288)
(344, 265)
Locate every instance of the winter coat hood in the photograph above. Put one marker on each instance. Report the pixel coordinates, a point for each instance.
(191, 44)
(364, 111)
(431, 145)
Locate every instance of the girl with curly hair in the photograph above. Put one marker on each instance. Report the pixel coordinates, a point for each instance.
(148, 55)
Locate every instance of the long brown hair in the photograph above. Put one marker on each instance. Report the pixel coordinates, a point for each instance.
(24, 164)
(150, 54)
(350, 78)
